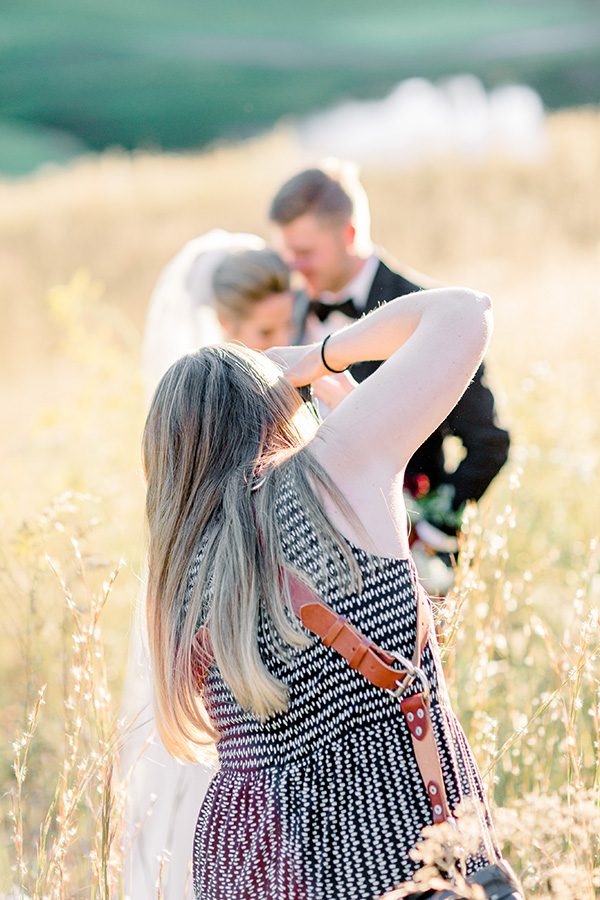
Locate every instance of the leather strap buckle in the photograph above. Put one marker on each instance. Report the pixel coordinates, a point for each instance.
(402, 686)
(411, 674)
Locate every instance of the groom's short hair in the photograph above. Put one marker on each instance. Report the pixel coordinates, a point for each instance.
(312, 191)
(332, 192)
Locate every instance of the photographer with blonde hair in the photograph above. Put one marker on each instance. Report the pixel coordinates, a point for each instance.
(285, 620)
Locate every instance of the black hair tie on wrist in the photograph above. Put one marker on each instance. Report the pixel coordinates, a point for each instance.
(329, 369)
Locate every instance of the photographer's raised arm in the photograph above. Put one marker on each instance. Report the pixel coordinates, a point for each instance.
(432, 341)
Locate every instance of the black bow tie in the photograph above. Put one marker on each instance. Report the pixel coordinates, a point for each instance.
(322, 310)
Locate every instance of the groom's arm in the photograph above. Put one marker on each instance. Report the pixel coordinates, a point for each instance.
(474, 421)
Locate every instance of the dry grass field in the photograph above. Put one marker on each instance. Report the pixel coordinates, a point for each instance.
(80, 249)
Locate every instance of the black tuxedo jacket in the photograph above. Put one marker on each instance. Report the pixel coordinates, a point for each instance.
(473, 419)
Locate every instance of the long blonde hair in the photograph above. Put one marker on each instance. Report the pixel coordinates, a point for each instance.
(221, 422)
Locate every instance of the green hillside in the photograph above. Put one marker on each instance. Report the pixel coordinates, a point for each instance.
(180, 74)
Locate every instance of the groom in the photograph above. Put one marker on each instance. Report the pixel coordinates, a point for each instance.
(323, 225)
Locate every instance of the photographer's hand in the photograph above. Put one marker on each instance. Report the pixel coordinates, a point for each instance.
(301, 365)
(332, 389)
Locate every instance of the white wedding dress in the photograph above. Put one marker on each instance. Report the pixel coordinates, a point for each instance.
(164, 796)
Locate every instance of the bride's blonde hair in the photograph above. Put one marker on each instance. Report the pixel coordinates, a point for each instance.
(245, 277)
(222, 421)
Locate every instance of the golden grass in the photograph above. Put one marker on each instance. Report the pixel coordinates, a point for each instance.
(80, 250)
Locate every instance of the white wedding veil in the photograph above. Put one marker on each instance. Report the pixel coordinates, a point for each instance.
(163, 796)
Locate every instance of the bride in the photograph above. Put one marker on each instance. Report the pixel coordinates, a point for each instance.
(220, 286)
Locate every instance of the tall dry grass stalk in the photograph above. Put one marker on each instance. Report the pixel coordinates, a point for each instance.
(75, 842)
(521, 634)
(21, 749)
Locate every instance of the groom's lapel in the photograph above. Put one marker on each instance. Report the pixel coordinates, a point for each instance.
(382, 288)
(387, 285)
(301, 310)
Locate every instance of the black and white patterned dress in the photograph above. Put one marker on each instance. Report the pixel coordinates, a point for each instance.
(324, 801)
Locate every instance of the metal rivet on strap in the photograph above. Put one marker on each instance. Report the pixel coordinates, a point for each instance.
(418, 731)
(433, 789)
(420, 713)
(437, 809)
(410, 716)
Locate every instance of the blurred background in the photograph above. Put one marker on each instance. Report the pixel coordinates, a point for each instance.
(77, 77)
(128, 128)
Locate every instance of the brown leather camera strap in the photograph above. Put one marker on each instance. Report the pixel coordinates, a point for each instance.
(378, 666)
